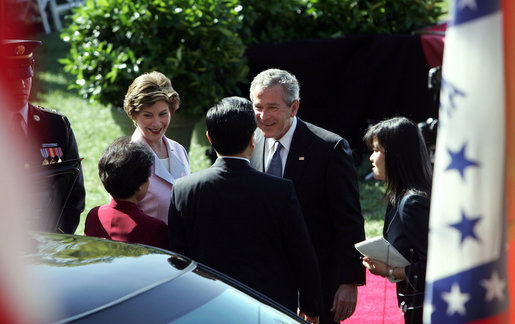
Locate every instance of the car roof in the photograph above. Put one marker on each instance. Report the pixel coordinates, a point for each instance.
(96, 280)
(91, 274)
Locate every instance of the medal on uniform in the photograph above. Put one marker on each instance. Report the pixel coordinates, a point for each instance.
(59, 153)
(45, 155)
(52, 155)
(53, 151)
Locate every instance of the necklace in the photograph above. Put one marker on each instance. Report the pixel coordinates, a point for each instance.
(160, 149)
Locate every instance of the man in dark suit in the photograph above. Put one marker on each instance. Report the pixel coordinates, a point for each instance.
(321, 166)
(46, 134)
(219, 217)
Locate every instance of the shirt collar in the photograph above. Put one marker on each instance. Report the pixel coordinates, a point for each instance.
(24, 111)
(285, 140)
(234, 157)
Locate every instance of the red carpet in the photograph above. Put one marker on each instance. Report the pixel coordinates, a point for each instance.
(373, 307)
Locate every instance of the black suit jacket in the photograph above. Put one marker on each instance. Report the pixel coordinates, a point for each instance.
(248, 225)
(321, 166)
(408, 232)
(46, 126)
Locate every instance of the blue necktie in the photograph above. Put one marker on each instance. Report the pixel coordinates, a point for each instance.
(275, 167)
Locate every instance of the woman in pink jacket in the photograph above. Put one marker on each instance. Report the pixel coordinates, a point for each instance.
(150, 102)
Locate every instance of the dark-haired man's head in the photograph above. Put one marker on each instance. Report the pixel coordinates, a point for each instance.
(124, 167)
(230, 125)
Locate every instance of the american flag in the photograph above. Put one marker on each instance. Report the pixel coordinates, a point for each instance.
(466, 278)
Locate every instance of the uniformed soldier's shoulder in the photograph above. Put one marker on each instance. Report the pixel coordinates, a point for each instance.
(48, 110)
(51, 114)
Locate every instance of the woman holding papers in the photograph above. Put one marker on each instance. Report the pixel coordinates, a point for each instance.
(400, 158)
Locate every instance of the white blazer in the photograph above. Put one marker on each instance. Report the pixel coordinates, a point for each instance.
(157, 200)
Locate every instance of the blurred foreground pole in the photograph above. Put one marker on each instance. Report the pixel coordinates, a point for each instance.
(509, 61)
(24, 299)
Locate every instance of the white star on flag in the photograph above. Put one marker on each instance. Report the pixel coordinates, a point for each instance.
(494, 287)
(467, 3)
(456, 300)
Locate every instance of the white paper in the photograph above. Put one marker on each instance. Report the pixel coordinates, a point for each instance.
(380, 249)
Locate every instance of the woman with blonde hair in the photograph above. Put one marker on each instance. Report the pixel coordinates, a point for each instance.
(150, 102)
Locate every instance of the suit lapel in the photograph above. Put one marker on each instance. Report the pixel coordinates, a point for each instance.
(175, 165)
(298, 155)
(34, 123)
(35, 131)
(159, 168)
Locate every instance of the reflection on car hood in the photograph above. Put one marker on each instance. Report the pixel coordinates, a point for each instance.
(94, 280)
(87, 274)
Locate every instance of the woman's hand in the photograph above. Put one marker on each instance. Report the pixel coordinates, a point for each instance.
(376, 267)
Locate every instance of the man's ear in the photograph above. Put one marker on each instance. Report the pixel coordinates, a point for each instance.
(250, 147)
(140, 188)
(294, 108)
(252, 142)
(208, 138)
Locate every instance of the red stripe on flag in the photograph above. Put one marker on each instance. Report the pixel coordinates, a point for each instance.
(501, 318)
(509, 65)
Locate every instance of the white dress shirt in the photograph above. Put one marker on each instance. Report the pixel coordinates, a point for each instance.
(285, 142)
(24, 113)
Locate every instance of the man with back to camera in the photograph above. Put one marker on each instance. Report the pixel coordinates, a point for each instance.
(47, 134)
(218, 217)
(321, 166)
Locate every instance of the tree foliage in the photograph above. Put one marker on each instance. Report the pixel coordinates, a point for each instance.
(268, 21)
(200, 44)
(194, 42)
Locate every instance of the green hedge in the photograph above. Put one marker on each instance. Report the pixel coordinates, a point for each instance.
(193, 42)
(200, 44)
(268, 21)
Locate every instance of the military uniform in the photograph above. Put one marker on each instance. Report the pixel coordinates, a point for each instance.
(50, 139)
(53, 141)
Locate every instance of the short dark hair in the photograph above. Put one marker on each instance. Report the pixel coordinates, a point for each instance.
(124, 166)
(407, 163)
(230, 124)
